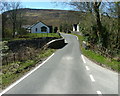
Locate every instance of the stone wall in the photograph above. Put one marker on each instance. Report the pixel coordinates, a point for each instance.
(57, 43)
(36, 43)
(22, 50)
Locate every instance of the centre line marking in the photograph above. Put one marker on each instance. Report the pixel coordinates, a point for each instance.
(92, 79)
(87, 68)
(99, 93)
(83, 58)
(22, 78)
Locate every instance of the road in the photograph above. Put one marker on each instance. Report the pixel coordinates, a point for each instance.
(68, 72)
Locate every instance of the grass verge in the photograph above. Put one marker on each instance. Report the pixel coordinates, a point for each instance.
(14, 71)
(32, 35)
(99, 59)
(37, 35)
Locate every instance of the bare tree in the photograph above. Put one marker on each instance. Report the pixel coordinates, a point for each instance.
(13, 15)
(82, 6)
(11, 10)
(3, 7)
(96, 7)
(93, 8)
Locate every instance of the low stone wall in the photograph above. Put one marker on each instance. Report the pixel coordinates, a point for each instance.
(36, 43)
(22, 50)
(57, 43)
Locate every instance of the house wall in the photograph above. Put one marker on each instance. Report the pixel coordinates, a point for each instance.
(76, 27)
(38, 26)
(73, 28)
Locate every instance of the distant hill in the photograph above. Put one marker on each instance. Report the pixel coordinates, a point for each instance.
(51, 17)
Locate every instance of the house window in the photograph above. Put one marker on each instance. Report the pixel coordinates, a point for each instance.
(43, 29)
(36, 29)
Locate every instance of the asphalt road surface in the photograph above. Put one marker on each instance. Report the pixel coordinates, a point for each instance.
(68, 72)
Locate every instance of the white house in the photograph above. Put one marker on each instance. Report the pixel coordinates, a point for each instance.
(76, 27)
(39, 27)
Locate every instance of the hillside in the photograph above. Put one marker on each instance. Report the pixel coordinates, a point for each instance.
(51, 17)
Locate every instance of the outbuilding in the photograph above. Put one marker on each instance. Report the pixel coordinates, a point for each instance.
(76, 27)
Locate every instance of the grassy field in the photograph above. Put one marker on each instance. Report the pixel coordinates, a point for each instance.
(37, 35)
(107, 62)
(13, 71)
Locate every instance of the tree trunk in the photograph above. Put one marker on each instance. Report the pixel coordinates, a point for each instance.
(98, 21)
(13, 30)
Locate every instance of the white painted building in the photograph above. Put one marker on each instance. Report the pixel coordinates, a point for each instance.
(39, 27)
(76, 27)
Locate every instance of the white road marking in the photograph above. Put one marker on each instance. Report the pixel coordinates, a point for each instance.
(18, 81)
(50, 42)
(77, 37)
(92, 79)
(83, 58)
(87, 68)
(65, 41)
(99, 93)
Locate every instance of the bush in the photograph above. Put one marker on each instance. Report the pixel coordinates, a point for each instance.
(8, 33)
(22, 31)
